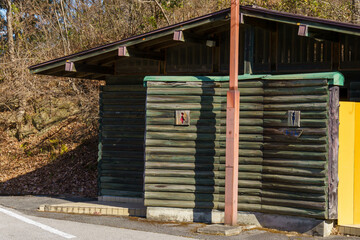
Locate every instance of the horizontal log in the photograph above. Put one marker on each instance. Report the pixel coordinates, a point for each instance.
(203, 91)
(180, 204)
(303, 114)
(124, 128)
(199, 151)
(122, 121)
(202, 174)
(302, 139)
(197, 159)
(298, 204)
(198, 168)
(199, 144)
(318, 200)
(125, 166)
(211, 123)
(201, 136)
(204, 84)
(305, 131)
(318, 181)
(137, 180)
(201, 129)
(309, 165)
(123, 115)
(183, 188)
(314, 123)
(296, 99)
(296, 91)
(123, 154)
(293, 211)
(121, 95)
(124, 88)
(130, 141)
(302, 172)
(123, 108)
(290, 187)
(295, 155)
(124, 102)
(296, 106)
(199, 99)
(111, 192)
(124, 187)
(275, 194)
(111, 134)
(296, 147)
(119, 173)
(203, 114)
(209, 106)
(295, 83)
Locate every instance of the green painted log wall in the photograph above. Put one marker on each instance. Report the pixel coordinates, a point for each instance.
(122, 126)
(185, 165)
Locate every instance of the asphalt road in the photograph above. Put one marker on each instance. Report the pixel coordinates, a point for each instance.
(15, 225)
(106, 227)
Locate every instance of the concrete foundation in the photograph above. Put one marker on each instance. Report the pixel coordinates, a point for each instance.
(310, 226)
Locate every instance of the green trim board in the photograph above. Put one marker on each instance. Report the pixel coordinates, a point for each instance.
(334, 78)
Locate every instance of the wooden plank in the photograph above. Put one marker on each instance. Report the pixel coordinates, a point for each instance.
(333, 152)
(295, 91)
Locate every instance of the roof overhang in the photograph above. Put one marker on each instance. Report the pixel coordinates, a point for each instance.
(97, 63)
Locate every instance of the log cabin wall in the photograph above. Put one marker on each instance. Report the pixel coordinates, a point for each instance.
(294, 170)
(121, 148)
(185, 165)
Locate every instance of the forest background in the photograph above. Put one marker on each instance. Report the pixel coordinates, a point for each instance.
(48, 125)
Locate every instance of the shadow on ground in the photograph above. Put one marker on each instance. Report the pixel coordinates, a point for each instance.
(73, 173)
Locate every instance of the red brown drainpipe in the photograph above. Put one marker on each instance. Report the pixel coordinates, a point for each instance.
(232, 122)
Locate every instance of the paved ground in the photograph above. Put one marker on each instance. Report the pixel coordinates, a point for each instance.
(105, 227)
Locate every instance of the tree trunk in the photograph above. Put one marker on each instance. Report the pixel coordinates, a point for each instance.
(356, 12)
(10, 32)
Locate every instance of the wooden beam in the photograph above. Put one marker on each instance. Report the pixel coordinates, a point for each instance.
(303, 30)
(333, 152)
(124, 51)
(232, 122)
(182, 36)
(85, 68)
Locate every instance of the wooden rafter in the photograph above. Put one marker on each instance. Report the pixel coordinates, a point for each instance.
(85, 68)
(182, 36)
(124, 51)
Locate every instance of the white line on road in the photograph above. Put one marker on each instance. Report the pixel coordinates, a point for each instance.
(40, 225)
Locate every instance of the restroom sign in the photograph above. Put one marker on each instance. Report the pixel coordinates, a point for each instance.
(182, 117)
(293, 118)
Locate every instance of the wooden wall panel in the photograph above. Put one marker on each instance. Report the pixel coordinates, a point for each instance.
(122, 126)
(185, 165)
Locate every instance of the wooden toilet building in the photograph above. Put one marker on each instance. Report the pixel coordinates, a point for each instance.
(163, 110)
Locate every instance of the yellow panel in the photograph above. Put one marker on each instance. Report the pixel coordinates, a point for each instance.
(346, 163)
(357, 167)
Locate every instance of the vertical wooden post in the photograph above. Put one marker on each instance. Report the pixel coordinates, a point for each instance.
(232, 122)
(333, 152)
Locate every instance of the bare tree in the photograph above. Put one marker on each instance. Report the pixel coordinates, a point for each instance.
(356, 11)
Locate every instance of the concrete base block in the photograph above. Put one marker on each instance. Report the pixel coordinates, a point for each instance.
(310, 226)
(218, 229)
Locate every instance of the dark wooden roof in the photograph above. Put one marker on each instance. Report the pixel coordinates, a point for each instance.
(104, 56)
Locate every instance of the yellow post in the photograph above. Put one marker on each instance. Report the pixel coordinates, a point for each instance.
(346, 163)
(357, 166)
